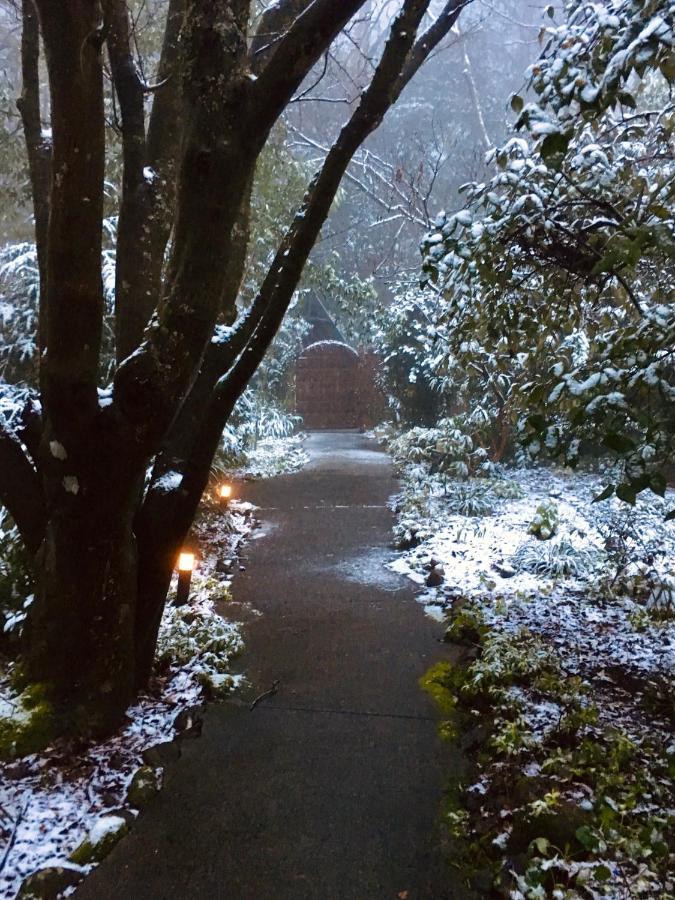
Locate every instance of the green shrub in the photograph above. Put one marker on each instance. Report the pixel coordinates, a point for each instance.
(506, 489)
(545, 522)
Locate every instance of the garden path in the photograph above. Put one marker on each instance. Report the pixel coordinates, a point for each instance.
(331, 787)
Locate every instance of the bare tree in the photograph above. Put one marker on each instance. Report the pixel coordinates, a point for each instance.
(86, 478)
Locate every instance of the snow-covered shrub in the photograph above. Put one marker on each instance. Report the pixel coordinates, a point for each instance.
(557, 272)
(556, 559)
(16, 581)
(253, 420)
(196, 638)
(406, 348)
(19, 293)
(642, 581)
(470, 498)
(661, 599)
(506, 489)
(19, 299)
(447, 449)
(545, 522)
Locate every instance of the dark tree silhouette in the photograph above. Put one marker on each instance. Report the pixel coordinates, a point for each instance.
(74, 475)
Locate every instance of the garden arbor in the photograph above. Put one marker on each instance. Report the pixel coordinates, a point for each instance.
(83, 473)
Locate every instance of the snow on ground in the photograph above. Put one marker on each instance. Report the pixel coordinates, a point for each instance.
(275, 456)
(49, 802)
(577, 669)
(585, 611)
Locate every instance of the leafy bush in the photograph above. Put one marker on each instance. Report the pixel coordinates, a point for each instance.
(252, 421)
(506, 489)
(448, 449)
(558, 270)
(19, 298)
(545, 522)
(556, 559)
(469, 499)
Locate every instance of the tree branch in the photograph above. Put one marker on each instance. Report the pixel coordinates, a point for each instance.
(297, 50)
(74, 294)
(38, 146)
(431, 38)
(163, 143)
(133, 238)
(276, 19)
(282, 278)
(214, 177)
(20, 489)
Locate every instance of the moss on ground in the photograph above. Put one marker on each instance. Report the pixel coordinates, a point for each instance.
(32, 725)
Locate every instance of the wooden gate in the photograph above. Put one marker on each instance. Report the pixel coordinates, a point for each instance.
(326, 386)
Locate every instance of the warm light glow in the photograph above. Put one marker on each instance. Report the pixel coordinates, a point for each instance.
(186, 562)
(225, 491)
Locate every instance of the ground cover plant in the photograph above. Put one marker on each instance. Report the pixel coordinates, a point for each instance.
(561, 695)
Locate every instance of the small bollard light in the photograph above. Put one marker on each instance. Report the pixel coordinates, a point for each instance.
(225, 494)
(186, 563)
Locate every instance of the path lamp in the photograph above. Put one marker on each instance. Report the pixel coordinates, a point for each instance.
(186, 563)
(225, 494)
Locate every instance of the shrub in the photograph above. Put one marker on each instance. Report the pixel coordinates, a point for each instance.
(545, 522)
(506, 489)
(448, 449)
(469, 499)
(556, 559)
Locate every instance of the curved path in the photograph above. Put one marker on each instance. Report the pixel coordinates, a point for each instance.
(330, 788)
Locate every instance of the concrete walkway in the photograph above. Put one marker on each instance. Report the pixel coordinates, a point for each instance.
(330, 788)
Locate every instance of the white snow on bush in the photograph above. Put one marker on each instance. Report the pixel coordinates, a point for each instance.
(592, 616)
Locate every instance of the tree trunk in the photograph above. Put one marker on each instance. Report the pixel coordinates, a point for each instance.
(161, 533)
(81, 630)
(103, 560)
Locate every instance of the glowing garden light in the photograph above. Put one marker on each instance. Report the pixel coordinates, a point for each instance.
(225, 493)
(186, 564)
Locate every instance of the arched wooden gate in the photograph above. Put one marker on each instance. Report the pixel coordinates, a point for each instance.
(327, 386)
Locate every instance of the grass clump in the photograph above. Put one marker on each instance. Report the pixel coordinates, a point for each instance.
(556, 559)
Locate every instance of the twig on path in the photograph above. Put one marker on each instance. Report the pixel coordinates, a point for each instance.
(12, 838)
(272, 691)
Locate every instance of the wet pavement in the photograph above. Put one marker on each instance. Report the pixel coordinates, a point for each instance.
(330, 788)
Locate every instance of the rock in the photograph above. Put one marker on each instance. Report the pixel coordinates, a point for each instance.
(188, 722)
(49, 883)
(436, 577)
(504, 569)
(117, 760)
(161, 755)
(559, 827)
(145, 785)
(474, 738)
(125, 813)
(17, 770)
(103, 836)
